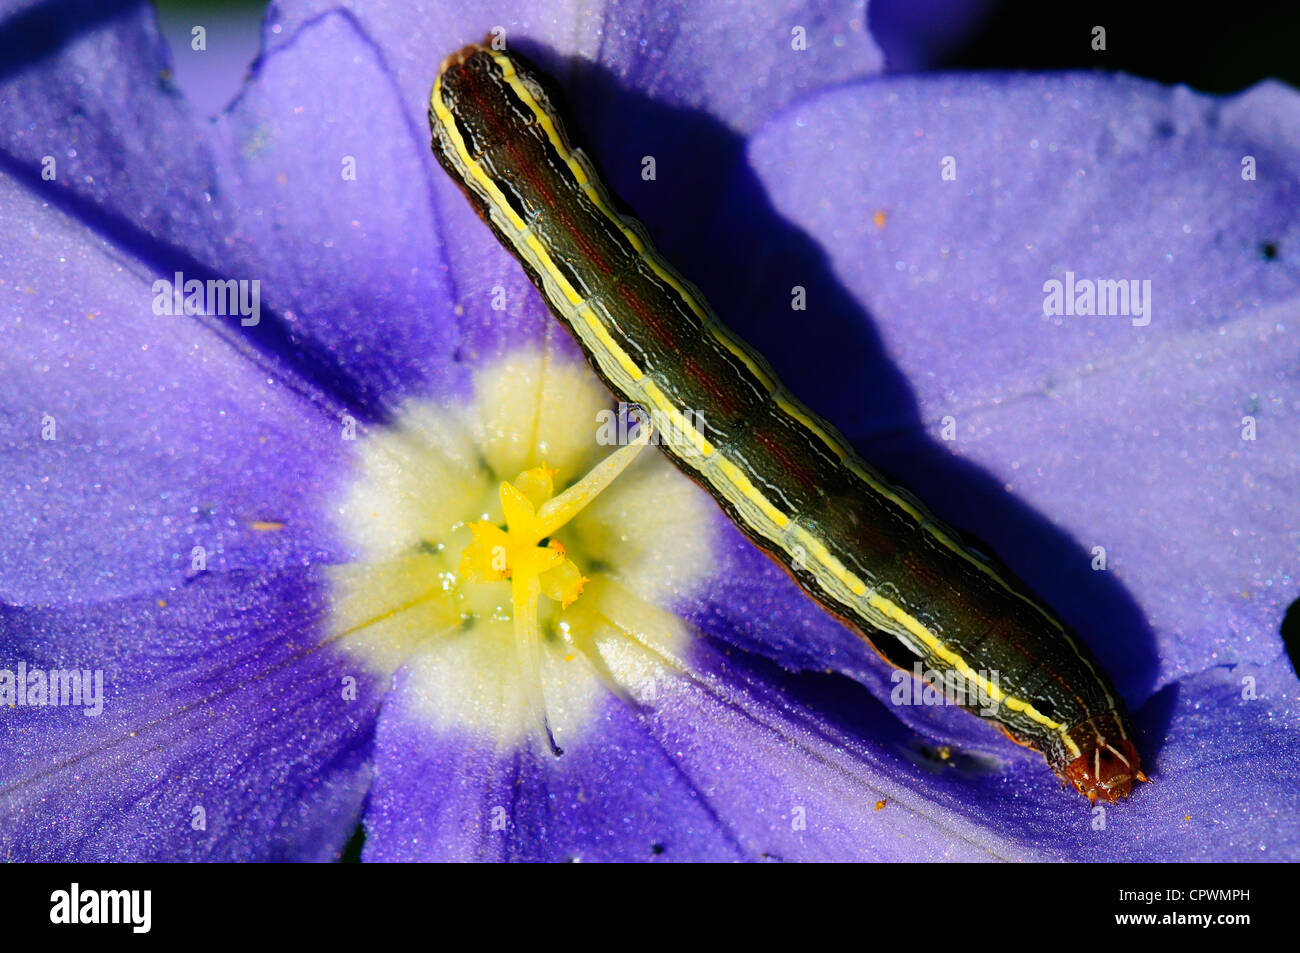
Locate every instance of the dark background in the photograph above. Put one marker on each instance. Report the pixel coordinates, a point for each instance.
(1220, 48)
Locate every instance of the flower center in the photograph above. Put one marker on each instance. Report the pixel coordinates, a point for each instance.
(466, 565)
(533, 513)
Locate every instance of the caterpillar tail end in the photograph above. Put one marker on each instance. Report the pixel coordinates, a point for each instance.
(464, 53)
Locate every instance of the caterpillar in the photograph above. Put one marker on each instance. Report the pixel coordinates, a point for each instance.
(870, 552)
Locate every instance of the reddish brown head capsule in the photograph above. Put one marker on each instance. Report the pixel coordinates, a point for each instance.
(1108, 762)
(1107, 772)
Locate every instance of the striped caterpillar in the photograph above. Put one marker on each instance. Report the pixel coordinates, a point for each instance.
(869, 551)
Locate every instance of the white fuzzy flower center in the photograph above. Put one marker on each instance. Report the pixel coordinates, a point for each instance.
(505, 634)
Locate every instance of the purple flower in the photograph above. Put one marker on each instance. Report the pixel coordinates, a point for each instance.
(252, 523)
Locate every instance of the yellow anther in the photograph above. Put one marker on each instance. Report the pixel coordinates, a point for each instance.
(532, 513)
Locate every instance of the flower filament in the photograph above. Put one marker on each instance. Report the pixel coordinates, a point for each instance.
(524, 553)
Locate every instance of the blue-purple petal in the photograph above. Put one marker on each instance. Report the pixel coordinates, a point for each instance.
(228, 730)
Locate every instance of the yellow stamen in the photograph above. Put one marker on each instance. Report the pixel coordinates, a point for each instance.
(515, 553)
(556, 512)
